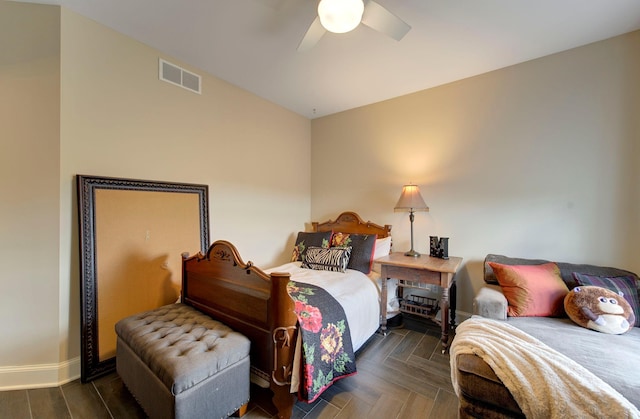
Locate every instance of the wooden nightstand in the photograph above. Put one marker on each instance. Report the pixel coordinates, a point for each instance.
(417, 272)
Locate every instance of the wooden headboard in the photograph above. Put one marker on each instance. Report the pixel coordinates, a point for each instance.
(350, 222)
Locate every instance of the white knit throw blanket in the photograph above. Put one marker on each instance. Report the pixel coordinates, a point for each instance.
(544, 383)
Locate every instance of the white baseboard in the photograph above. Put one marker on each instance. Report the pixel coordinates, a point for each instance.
(39, 376)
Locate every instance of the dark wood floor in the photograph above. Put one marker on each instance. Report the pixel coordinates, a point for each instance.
(401, 375)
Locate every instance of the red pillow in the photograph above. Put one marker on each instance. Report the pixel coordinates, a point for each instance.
(532, 290)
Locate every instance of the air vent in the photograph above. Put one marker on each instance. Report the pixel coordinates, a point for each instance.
(174, 74)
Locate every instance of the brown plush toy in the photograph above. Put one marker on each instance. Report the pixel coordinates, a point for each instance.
(599, 309)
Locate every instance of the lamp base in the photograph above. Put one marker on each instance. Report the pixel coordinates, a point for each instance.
(412, 253)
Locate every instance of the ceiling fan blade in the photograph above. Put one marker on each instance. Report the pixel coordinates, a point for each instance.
(379, 18)
(313, 35)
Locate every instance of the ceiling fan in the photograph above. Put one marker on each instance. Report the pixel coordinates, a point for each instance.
(340, 16)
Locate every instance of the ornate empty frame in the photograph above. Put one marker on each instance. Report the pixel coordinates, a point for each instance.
(132, 235)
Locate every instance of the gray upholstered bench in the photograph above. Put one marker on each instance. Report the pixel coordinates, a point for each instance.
(179, 363)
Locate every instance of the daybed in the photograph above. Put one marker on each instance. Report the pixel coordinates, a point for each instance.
(556, 368)
(259, 304)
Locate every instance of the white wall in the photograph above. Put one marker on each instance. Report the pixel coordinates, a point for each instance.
(535, 160)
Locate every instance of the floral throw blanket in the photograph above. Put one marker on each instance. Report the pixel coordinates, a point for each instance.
(326, 341)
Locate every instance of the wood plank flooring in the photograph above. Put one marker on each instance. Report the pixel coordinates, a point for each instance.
(401, 375)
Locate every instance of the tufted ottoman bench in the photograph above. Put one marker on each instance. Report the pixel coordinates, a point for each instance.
(179, 363)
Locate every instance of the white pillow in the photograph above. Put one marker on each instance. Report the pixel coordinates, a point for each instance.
(383, 247)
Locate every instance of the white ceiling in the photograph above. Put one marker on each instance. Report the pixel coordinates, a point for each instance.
(252, 43)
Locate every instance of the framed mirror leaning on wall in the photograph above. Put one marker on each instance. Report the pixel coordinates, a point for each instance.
(132, 235)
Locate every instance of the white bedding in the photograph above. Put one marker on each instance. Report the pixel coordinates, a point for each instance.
(356, 292)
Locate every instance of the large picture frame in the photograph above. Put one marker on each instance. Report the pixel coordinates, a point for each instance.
(132, 234)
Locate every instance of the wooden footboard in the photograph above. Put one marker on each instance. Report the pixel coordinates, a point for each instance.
(257, 304)
(251, 302)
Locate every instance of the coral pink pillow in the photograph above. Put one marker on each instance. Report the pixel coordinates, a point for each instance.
(532, 290)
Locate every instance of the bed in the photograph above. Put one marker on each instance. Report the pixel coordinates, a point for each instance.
(256, 303)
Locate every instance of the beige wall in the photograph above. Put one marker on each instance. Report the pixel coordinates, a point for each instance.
(30, 202)
(535, 160)
(104, 112)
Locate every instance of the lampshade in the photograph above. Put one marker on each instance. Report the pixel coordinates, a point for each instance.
(411, 200)
(340, 16)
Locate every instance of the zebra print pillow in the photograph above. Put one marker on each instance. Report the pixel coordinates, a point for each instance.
(333, 259)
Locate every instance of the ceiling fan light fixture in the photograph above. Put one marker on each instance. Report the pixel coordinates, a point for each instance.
(340, 16)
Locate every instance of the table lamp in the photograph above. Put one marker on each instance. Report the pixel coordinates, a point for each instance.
(411, 200)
